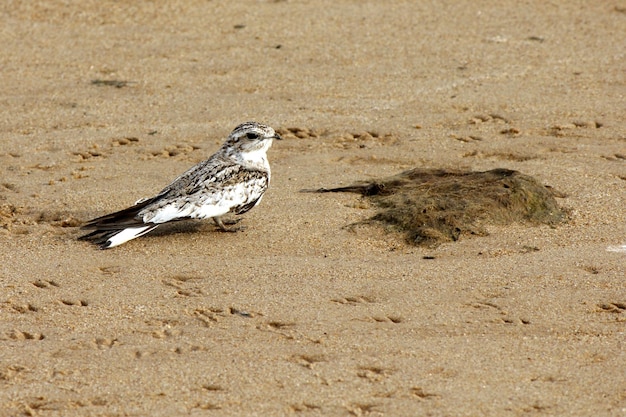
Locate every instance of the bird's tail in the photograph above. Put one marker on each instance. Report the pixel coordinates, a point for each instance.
(116, 228)
(110, 238)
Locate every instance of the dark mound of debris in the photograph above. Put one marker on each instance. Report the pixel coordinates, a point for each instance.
(434, 206)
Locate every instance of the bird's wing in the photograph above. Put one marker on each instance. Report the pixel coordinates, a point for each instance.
(205, 192)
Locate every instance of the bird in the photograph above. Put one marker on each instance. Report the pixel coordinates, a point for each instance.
(232, 180)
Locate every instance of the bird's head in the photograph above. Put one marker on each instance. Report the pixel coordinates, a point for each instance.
(251, 138)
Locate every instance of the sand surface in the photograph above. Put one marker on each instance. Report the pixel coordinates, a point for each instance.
(105, 102)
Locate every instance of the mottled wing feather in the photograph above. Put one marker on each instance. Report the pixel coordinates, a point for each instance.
(216, 169)
(254, 183)
(246, 207)
(231, 189)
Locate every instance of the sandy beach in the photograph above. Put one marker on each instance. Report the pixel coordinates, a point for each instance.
(309, 311)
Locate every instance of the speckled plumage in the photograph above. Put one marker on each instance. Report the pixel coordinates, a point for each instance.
(232, 180)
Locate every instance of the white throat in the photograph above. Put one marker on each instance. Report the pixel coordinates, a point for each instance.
(258, 156)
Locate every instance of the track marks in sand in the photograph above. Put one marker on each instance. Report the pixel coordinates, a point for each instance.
(305, 347)
(11, 372)
(89, 154)
(72, 303)
(364, 409)
(305, 407)
(166, 333)
(22, 308)
(103, 343)
(179, 335)
(493, 312)
(384, 319)
(18, 335)
(617, 307)
(42, 405)
(51, 285)
(191, 286)
(212, 316)
(185, 285)
(110, 269)
(502, 156)
(574, 128)
(180, 150)
(45, 284)
(354, 300)
(419, 392)
(21, 220)
(492, 124)
(78, 168)
(318, 138)
(98, 151)
(215, 394)
(13, 217)
(94, 343)
(209, 316)
(206, 406)
(9, 187)
(494, 136)
(369, 303)
(481, 126)
(484, 127)
(60, 219)
(374, 373)
(308, 360)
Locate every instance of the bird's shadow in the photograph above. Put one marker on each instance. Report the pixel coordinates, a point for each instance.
(184, 226)
(71, 221)
(197, 226)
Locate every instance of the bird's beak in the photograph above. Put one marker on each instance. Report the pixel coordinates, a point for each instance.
(277, 136)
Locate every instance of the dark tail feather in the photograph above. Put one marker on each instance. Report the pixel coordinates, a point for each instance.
(99, 237)
(107, 226)
(120, 219)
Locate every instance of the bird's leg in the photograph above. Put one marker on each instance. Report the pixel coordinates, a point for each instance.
(221, 224)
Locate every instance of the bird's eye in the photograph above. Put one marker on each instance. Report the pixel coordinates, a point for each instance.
(252, 135)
